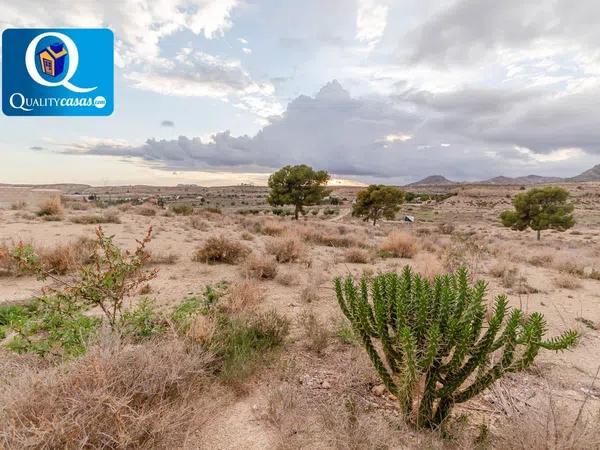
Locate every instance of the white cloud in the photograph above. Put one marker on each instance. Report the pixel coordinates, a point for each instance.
(247, 51)
(371, 20)
(398, 137)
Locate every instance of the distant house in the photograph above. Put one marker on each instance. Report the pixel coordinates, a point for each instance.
(52, 59)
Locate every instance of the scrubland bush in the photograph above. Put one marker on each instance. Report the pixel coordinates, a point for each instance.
(146, 211)
(167, 258)
(18, 205)
(433, 350)
(243, 296)
(429, 266)
(286, 249)
(541, 259)
(220, 249)
(287, 278)
(399, 244)
(316, 334)
(116, 396)
(357, 256)
(182, 209)
(567, 281)
(508, 275)
(446, 228)
(570, 267)
(110, 216)
(198, 223)
(260, 266)
(51, 208)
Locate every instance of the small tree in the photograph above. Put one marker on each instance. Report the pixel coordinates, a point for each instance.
(299, 186)
(378, 201)
(436, 344)
(540, 209)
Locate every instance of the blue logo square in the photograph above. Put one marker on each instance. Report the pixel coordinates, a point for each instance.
(57, 72)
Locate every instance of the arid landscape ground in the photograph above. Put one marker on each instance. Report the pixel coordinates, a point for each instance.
(318, 388)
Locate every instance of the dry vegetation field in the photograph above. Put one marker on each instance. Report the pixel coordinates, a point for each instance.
(279, 367)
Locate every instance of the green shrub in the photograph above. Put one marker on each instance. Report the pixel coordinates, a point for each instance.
(143, 321)
(436, 341)
(182, 209)
(51, 325)
(244, 343)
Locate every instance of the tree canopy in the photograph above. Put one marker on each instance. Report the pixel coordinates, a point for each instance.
(540, 209)
(297, 185)
(378, 201)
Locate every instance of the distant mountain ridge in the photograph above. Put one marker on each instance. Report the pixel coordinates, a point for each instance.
(592, 174)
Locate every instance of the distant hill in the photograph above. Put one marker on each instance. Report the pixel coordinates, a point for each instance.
(433, 180)
(592, 174)
(529, 179)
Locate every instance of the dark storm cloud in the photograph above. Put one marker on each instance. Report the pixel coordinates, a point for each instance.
(468, 134)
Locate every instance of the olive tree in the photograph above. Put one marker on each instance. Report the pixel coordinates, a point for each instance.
(297, 185)
(378, 201)
(540, 209)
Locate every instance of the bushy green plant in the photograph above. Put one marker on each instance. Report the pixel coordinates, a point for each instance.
(111, 275)
(431, 343)
(540, 209)
(48, 325)
(142, 321)
(182, 209)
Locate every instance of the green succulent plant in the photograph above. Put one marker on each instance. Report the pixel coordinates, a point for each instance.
(434, 344)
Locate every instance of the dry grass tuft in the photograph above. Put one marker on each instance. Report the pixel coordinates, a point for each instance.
(198, 223)
(117, 396)
(147, 211)
(428, 265)
(244, 296)
(111, 216)
(288, 278)
(220, 249)
(508, 275)
(286, 249)
(163, 258)
(541, 259)
(316, 335)
(399, 244)
(261, 267)
(51, 208)
(567, 281)
(357, 255)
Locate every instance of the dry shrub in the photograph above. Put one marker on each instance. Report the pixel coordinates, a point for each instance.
(220, 249)
(446, 228)
(8, 265)
(428, 265)
(247, 236)
(198, 223)
(541, 259)
(551, 426)
(326, 237)
(286, 249)
(147, 211)
(567, 281)
(244, 296)
(288, 278)
(261, 267)
(271, 228)
(18, 205)
(316, 335)
(508, 275)
(357, 256)
(570, 267)
(117, 396)
(111, 216)
(51, 208)
(399, 244)
(163, 258)
(309, 293)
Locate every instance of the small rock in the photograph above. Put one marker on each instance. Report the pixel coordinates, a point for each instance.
(325, 385)
(378, 390)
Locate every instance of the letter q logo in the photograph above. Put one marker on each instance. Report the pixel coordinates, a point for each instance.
(30, 63)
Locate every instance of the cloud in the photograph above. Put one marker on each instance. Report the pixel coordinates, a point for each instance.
(371, 20)
(378, 138)
(167, 123)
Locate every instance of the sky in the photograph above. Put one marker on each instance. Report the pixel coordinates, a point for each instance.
(226, 91)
